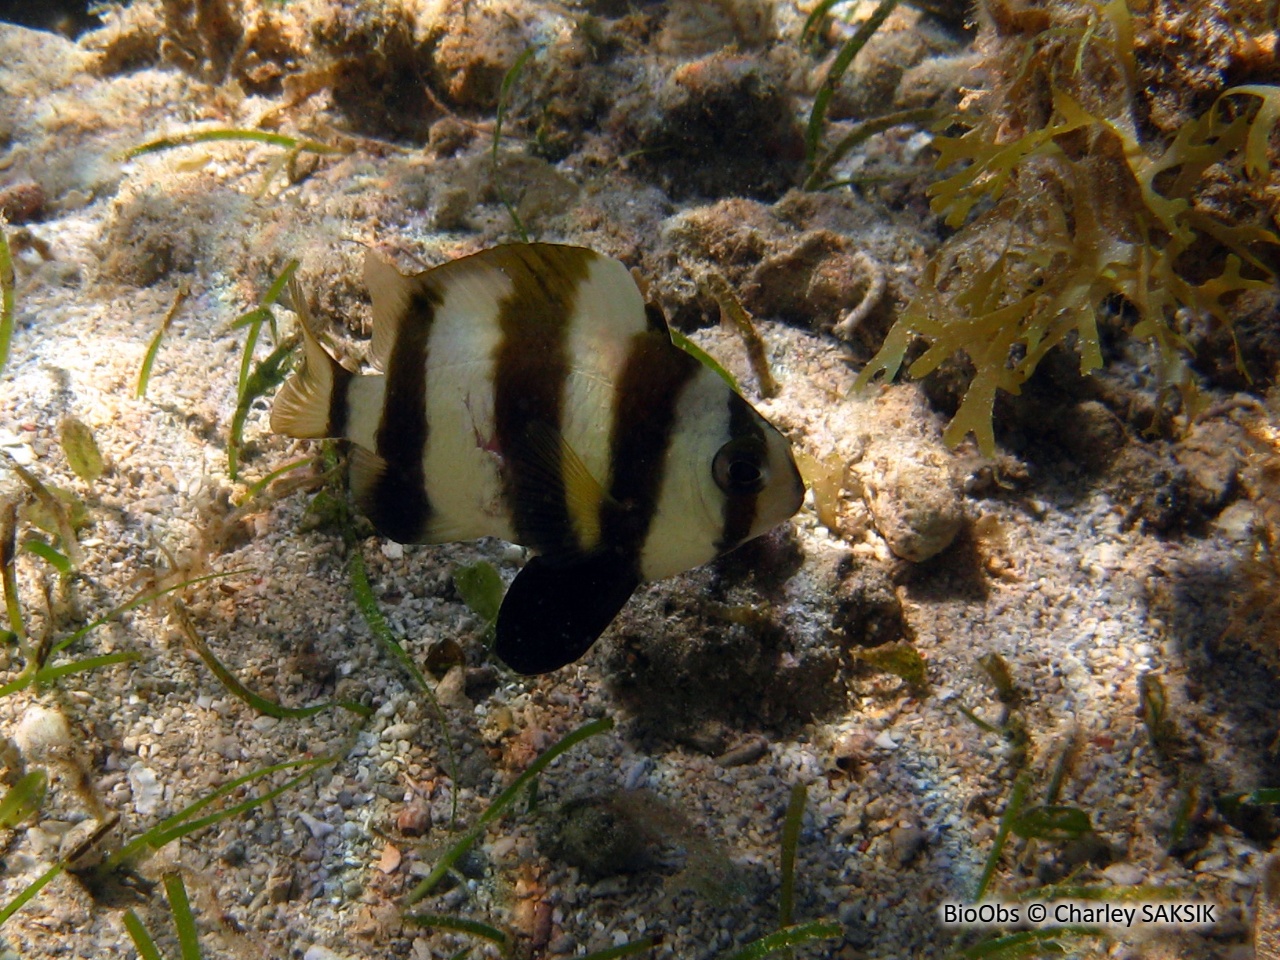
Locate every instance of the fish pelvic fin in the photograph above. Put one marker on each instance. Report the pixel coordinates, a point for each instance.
(553, 612)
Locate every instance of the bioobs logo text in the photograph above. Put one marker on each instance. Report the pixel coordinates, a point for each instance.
(980, 914)
(1057, 913)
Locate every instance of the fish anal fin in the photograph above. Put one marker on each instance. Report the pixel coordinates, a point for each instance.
(378, 491)
(553, 612)
(366, 471)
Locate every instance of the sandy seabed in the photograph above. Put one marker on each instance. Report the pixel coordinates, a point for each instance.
(727, 686)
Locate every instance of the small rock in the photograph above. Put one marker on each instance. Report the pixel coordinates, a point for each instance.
(400, 731)
(868, 612)
(636, 773)
(720, 125)
(452, 690)
(147, 789)
(915, 503)
(22, 202)
(852, 750)
(1093, 435)
(562, 944)
(281, 887)
(443, 654)
(41, 730)
(317, 952)
(414, 819)
(311, 852)
(744, 753)
(885, 742)
(390, 859)
(599, 837)
(709, 738)
(233, 853)
(227, 747)
(1125, 874)
(907, 842)
(319, 829)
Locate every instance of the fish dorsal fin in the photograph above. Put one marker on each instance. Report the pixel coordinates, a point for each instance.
(609, 300)
(548, 461)
(604, 292)
(391, 292)
(539, 276)
(554, 612)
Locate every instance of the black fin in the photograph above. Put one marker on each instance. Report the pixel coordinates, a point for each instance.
(553, 612)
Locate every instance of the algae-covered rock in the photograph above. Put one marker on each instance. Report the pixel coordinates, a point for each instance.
(379, 69)
(599, 836)
(915, 503)
(718, 126)
(868, 612)
(721, 649)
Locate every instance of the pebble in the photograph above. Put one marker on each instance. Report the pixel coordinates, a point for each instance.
(400, 731)
(636, 773)
(319, 829)
(318, 952)
(40, 730)
(915, 503)
(233, 853)
(414, 819)
(744, 753)
(562, 944)
(280, 887)
(147, 789)
(907, 842)
(1125, 874)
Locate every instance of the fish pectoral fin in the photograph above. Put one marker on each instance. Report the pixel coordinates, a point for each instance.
(553, 612)
(549, 461)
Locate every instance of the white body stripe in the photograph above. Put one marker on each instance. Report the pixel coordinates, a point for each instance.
(364, 409)
(608, 313)
(461, 463)
(689, 517)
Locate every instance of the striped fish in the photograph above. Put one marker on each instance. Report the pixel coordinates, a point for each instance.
(527, 392)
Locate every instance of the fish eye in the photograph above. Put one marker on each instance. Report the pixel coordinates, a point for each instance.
(739, 466)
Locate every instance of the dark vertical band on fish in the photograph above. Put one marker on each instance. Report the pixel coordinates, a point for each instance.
(339, 408)
(530, 372)
(644, 419)
(398, 501)
(740, 508)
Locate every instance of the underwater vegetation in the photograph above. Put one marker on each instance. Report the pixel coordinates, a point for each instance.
(1073, 205)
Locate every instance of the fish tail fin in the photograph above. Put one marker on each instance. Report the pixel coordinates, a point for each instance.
(304, 407)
